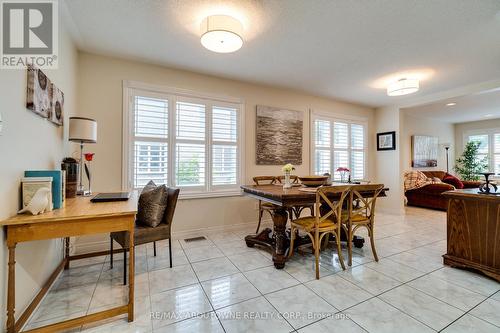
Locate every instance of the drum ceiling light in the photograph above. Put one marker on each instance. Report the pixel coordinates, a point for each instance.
(403, 87)
(221, 34)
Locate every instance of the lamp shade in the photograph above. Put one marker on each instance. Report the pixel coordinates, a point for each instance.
(82, 130)
(221, 34)
(403, 87)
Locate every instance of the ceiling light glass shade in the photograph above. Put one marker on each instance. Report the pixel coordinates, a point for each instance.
(221, 34)
(403, 87)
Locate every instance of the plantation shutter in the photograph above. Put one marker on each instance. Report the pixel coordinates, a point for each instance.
(496, 152)
(357, 151)
(224, 146)
(190, 148)
(340, 148)
(150, 141)
(322, 142)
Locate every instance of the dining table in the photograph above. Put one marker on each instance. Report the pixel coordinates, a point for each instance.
(286, 200)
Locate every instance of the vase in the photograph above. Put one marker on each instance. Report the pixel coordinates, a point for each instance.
(287, 183)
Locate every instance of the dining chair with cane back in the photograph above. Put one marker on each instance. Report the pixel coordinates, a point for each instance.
(361, 213)
(264, 206)
(316, 227)
(296, 210)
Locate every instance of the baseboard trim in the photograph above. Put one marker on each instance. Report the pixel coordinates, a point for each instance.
(103, 246)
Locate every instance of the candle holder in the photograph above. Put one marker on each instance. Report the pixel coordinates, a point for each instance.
(488, 187)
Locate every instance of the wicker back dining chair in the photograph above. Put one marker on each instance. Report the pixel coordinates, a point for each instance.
(264, 206)
(317, 227)
(361, 213)
(145, 234)
(296, 211)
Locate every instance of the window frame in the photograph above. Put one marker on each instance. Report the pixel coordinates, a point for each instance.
(339, 118)
(173, 95)
(490, 132)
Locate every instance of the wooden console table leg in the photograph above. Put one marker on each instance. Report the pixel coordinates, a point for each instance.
(131, 274)
(280, 217)
(11, 290)
(66, 253)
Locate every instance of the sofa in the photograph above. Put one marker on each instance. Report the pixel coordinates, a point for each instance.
(430, 196)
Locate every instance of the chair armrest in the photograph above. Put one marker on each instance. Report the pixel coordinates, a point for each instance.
(471, 184)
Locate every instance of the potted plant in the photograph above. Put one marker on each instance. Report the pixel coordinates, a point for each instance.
(468, 166)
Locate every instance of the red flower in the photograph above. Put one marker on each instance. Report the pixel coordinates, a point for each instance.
(342, 169)
(89, 156)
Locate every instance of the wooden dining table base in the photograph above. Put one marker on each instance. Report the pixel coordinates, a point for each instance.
(277, 241)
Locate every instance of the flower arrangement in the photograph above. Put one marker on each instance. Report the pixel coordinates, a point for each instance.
(88, 157)
(343, 173)
(287, 168)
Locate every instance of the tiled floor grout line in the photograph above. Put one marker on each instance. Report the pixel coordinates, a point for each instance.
(304, 283)
(204, 292)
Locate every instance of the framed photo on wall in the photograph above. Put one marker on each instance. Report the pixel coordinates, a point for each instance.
(386, 141)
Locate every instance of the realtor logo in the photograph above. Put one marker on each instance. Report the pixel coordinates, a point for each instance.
(29, 34)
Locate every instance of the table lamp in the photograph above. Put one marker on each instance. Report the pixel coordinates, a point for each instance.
(82, 130)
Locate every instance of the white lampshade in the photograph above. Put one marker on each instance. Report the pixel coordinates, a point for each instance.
(82, 130)
(403, 87)
(221, 34)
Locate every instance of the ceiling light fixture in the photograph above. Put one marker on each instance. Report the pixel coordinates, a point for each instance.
(451, 104)
(221, 34)
(402, 87)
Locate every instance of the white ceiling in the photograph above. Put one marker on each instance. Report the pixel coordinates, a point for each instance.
(481, 106)
(334, 48)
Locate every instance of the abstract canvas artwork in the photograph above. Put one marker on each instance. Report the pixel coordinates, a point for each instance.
(43, 97)
(424, 151)
(39, 92)
(278, 136)
(57, 107)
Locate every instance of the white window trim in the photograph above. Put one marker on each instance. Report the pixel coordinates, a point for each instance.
(127, 123)
(491, 145)
(337, 117)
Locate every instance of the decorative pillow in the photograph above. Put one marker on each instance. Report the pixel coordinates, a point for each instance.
(152, 205)
(436, 180)
(452, 180)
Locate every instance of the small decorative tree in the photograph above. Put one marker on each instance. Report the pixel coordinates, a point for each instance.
(469, 166)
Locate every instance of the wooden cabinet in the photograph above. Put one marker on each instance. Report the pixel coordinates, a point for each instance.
(473, 231)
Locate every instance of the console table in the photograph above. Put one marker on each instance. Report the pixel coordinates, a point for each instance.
(473, 231)
(78, 217)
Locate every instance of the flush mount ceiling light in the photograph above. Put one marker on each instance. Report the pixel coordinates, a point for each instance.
(451, 104)
(221, 34)
(402, 87)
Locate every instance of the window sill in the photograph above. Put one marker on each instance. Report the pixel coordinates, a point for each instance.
(208, 195)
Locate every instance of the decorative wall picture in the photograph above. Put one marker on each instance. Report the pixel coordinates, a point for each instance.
(39, 92)
(424, 151)
(386, 141)
(56, 111)
(279, 136)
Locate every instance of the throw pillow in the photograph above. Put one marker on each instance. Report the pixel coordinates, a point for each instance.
(152, 205)
(452, 180)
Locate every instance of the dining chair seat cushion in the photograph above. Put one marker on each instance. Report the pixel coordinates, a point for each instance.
(142, 235)
(307, 223)
(355, 218)
(152, 205)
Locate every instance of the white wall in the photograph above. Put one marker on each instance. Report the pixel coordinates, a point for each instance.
(100, 97)
(412, 125)
(387, 163)
(31, 142)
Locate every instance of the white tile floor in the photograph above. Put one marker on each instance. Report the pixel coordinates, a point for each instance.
(220, 285)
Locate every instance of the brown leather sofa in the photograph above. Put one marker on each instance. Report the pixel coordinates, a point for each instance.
(430, 196)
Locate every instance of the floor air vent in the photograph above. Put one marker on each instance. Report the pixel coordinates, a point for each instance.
(194, 239)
